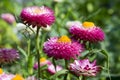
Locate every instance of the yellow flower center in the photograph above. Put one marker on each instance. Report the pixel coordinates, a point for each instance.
(88, 24)
(18, 77)
(64, 39)
(1, 71)
(42, 59)
(37, 10)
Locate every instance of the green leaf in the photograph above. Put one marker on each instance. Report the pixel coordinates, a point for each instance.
(64, 71)
(23, 52)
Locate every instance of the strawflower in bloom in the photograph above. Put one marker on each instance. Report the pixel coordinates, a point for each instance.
(87, 32)
(84, 67)
(8, 55)
(37, 16)
(43, 61)
(51, 69)
(62, 48)
(9, 18)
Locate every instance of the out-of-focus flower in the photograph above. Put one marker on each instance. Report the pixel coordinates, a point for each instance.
(8, 55)
(84, 67)
(62, 48)
(43, 61)
(37, 16)
(1, 71)
(72, 23)
(9, 18)
(6, 76)
(51, 68)
(17, 77)
(31, 78)
(87, 32)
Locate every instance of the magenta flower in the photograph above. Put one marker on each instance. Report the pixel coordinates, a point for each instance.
(8, 55)
(9, 18)
(51, 69)
(87, 32)
(43, 61)
(84, 67)
(37, 16)
(62, 48)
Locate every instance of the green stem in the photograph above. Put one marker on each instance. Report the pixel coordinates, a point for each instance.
(38, 52)
(66, 66)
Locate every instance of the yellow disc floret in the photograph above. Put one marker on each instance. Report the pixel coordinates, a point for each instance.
(88, 24)
(1, 71)
(18, 77)
(43, 59)
(64, 39)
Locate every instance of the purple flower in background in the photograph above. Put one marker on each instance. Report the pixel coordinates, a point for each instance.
(8, 55)
(51, 68)
(84, 67)
(37, 16)
(87, 32)
(62, 48)
(9, 18)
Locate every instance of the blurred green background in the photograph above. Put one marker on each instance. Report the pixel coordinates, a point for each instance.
(104, 13)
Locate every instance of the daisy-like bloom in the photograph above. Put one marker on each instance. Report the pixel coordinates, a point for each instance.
(62, 48)
(52, 70)
(8, 55)
(84, 67)
(17, 77)
(9, 18)
(43, 61)
(87, 32)
(37, 16)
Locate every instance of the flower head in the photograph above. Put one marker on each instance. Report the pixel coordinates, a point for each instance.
(8, 55)
(62, 48)
(43, 61)
(6, 76)
(9, 18)
(87, 32)
(51, 69)
(37, 16)
(84, 67)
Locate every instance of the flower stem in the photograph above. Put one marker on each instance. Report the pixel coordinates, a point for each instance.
(38, 52)
(66, 64)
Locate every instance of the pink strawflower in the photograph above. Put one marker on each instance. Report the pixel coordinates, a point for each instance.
(37, 16)
(43, 61)
(51, 69)
(5, 76)
(9, 18)
(84, 67)
(62, 48)
(87, 32)
(8, 55)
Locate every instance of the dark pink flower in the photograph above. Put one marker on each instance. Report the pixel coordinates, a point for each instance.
(62, 48)
(87, 32)
(51, 68)
(84, 67)
(37, 16)
(8, 55)
(9, 18)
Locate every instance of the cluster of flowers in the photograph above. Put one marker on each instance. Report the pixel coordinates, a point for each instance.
(59, 47)
(63, 47)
